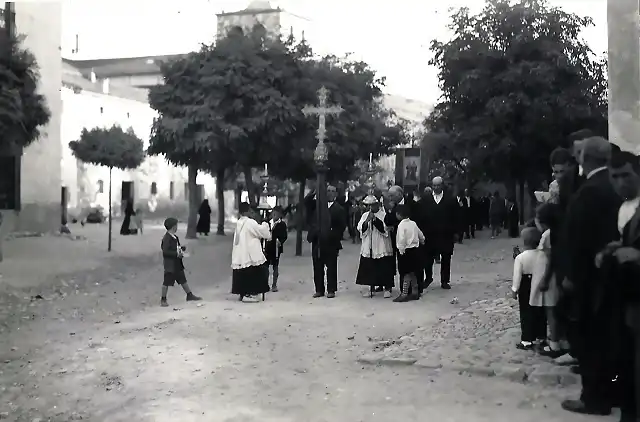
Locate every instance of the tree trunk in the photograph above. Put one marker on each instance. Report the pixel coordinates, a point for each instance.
(521, 190)
(251, 187)
(300, 217)
(110, 214)
(192, 221)
(220, 198)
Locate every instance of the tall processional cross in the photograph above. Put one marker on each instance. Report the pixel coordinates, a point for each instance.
(322, 110)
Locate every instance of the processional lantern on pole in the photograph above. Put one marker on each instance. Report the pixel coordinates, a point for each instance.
(370, 172)
(321, 153)
(263, 205)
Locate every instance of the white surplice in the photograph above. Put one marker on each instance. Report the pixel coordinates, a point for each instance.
(374, 244)
(247, 243)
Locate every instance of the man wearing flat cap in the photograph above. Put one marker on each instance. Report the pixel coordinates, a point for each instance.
(591, 223)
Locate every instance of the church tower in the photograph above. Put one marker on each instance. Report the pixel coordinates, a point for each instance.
(259, 12)
(275, 20)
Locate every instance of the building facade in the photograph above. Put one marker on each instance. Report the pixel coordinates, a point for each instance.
(39, 169)
(156, 187)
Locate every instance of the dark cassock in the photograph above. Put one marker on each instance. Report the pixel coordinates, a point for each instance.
(274, 247)
(471, 216)
(463, 212)
(377, 261)
(513, 217)
(439, 225)
(326, 243)
(204, 218)
(589, 225)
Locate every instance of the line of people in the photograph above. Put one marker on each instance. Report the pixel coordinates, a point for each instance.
(409, 234)
(578, 280)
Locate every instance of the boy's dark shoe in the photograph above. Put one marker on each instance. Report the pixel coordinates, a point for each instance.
(446, 286)
(164, 303)
(331, 295)
(192, 298)
(578, 406)
(317, 295)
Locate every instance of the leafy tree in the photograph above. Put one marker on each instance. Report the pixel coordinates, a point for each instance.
(112, 148)
(22, 109)
(516, 79)
(223, 107)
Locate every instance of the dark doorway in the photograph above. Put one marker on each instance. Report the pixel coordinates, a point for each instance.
(10, 182)
(127, 194)
(64, 204)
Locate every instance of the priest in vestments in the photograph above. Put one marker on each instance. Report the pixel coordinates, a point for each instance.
(377, 261)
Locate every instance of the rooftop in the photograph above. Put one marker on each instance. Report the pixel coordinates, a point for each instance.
(128, 66)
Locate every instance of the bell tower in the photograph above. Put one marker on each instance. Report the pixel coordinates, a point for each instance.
(258, 12)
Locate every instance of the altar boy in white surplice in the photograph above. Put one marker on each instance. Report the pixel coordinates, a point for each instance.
(250, 272)
(377, 262)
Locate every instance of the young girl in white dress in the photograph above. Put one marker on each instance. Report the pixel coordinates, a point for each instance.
(544, 287)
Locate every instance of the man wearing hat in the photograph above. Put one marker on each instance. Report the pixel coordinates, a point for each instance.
(377, 262)
(590, 224)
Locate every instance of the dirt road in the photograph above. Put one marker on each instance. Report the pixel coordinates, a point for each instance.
(104, 350)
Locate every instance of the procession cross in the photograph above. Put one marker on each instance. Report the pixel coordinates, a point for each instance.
(322, 110)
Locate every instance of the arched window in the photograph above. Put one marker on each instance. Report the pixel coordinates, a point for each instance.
(154, 188)
(100, 186)
(172, 190)
(101, 110)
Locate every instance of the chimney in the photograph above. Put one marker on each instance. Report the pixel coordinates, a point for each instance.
(93, 77)
(105, 86)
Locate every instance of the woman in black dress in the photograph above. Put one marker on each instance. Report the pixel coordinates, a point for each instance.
(513, 219)
(125, 229)
(204, 221)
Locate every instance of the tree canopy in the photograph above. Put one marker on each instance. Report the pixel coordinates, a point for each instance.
(112, 147)
(22, 109)
(223, 105)
(239, 102)
(516, 80)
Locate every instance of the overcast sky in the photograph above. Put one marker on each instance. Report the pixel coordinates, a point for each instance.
(393, 37)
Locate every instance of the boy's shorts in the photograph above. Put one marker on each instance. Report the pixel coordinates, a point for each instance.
(171, 279)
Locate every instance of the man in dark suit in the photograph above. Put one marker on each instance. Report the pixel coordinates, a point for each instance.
(591, 224)
(326, 243)
(439, 222)
(621, 261)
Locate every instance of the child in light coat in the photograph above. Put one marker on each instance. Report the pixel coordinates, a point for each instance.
(532, 318)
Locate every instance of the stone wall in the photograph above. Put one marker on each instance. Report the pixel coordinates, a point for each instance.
(41, 162)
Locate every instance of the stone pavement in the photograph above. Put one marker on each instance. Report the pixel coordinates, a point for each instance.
(107, 352)
(478, 340)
